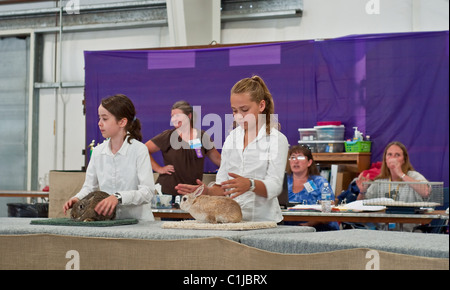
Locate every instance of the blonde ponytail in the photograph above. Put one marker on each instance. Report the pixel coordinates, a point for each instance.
(256, 87)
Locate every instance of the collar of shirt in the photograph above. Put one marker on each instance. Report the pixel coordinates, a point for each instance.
(122, 151)
(261, 133)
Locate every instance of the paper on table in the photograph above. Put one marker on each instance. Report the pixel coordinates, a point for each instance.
(315, 207)
(359, 206)
(355, 206)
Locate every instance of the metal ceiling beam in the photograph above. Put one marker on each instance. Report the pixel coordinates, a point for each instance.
(88, 17)
(238, 10)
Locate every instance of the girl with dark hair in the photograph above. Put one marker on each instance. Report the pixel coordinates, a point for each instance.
(121, 107)
(120, 165)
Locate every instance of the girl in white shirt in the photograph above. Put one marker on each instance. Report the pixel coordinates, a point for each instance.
(120, 165)
(253, 156)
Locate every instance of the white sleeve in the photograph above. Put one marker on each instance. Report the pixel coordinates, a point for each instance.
(146, 185)
(277, 166)
(91, 181)
(222, 173)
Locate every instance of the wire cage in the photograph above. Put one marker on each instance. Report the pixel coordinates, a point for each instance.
(404, 194)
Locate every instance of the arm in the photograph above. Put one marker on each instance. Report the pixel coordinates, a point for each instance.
(211, 190)
(152, 148)
(215, 189)
(90, 183)
(214, 156)
(240, 185)
(145, 186)
(271, 184)
(145, 183)
(423, 190)
(361, 186)
(273, 181)
(411, 176)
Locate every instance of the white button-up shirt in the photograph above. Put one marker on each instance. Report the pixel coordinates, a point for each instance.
(263, 159)
(128, 172)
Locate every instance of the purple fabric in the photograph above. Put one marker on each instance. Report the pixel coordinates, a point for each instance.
(391, 86)
(269, 54)
(163, 60)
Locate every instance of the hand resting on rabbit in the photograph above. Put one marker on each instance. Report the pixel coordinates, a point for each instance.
(83, 210)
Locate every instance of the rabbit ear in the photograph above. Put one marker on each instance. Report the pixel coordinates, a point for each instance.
(91, 198)
(199, 190)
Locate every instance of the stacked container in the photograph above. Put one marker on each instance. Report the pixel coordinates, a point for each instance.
(324, 138)
(308, 137)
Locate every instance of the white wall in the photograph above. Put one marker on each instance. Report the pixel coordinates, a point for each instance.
(321, 19)
(336, 18)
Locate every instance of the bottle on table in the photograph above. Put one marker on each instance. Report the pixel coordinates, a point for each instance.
(326, 198)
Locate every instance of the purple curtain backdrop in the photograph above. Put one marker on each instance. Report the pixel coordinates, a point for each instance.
(392, 86)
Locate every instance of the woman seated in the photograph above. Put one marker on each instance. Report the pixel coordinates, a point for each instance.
(395, 167)
(305, 183)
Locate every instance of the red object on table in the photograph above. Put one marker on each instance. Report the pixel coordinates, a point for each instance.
(324, 123)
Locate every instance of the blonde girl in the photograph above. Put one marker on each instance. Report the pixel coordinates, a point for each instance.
(254, 155)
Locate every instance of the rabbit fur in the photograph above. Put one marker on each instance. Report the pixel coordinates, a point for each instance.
(83, 210)
(211, 209)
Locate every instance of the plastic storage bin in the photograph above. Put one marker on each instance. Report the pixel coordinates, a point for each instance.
(310, 144)
(358, 146)
(307, 134)
(327, 146)
(27, 209)
(330, 146)
(330, 132)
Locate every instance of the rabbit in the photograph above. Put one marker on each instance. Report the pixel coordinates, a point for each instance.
(83, 210)
(211, 209)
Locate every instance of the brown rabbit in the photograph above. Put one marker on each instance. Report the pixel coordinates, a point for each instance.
(83, 210)
(211, 209)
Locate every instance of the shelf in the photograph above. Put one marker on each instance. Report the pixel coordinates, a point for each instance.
(361, 160)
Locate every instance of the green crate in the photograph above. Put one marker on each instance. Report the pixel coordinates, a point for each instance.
(358, 146)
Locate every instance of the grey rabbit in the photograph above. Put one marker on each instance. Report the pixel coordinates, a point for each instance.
(83, 210)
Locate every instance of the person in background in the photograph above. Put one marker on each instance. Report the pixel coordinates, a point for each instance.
(120, 166)
(395, 167)
(305, 184)
(183, 148)
(254, 155)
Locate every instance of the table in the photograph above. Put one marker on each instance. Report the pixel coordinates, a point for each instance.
(147, 245)
(21, 193)
(356, 217)
(362, 217)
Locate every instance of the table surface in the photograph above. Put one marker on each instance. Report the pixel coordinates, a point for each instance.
(361, 217)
